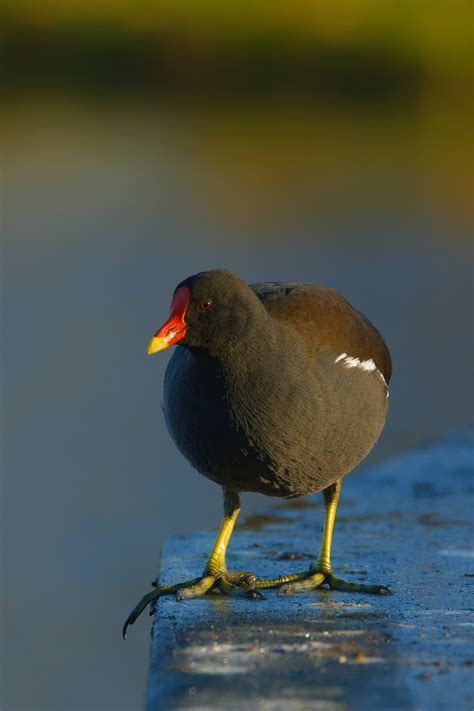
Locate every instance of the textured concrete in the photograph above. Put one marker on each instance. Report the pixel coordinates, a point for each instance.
(406, 523)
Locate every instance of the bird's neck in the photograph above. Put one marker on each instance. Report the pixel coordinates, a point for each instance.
(256, 346)
(242, 339)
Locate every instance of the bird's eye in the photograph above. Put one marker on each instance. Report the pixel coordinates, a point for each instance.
(205, 305)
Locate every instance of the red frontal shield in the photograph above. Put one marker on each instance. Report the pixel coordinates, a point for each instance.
(175, 327)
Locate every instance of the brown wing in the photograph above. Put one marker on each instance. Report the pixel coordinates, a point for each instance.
(325, 320)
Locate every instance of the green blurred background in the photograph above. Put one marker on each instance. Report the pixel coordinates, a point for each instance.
(143, 142)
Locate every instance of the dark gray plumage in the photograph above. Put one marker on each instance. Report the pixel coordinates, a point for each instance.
(254, 397)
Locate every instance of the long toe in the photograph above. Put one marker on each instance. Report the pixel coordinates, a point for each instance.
(315, 579)
(200, 588)
(137, 610)
(311, 582)
(344, 586)
(152, 597)
(240, 584)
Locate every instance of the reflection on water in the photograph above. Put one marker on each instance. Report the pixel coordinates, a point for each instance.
(107, 208)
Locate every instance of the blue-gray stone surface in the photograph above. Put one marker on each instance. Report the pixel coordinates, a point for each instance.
(406, 523)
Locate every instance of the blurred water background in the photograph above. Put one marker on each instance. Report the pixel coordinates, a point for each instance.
(327, 142)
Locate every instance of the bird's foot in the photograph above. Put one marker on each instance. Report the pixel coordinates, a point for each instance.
(315, 578)
(241, 584)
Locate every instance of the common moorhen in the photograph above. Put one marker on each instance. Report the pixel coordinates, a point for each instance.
(278, 388)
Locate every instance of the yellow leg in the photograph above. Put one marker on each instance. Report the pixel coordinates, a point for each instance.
(320, 572)
(331, 499)
(216, 561)
(215, 574)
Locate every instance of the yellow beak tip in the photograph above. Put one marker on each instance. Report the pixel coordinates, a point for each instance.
(155, 345)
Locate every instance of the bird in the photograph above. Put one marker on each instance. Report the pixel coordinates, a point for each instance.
(279, 388)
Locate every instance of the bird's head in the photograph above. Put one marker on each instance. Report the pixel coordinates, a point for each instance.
(209, 310)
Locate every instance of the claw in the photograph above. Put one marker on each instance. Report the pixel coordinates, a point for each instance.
(137, 611)
(383, 590)
(255, 595)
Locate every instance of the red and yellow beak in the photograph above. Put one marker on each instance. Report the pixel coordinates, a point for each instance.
(175, 327)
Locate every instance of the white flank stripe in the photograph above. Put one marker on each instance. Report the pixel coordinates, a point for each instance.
(351, 362)
(369, 365)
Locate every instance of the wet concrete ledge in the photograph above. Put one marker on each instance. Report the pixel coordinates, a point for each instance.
(406, 523)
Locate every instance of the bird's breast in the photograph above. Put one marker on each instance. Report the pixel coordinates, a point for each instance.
(200, 421)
